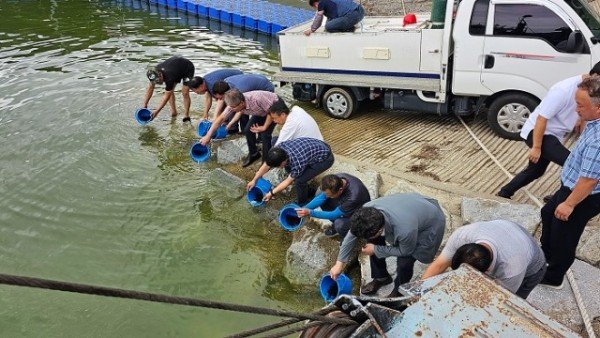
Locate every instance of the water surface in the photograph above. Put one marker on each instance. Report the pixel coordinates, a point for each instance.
(88, 196)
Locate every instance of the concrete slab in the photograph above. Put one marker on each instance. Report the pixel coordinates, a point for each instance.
(478, 210)
(561, 305)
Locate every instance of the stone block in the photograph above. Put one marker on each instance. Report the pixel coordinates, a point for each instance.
(310, 256)
(478, 210)
(588, 249)
(231, 151)
(370, 178)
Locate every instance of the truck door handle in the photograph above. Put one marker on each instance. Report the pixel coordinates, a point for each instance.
(489, 62)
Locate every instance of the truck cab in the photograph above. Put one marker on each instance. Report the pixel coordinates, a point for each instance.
(511, 51)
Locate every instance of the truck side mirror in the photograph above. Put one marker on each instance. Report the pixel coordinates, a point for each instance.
(574, 42)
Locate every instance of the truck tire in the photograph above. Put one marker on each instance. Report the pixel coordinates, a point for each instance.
(339, 102)
(507, 114)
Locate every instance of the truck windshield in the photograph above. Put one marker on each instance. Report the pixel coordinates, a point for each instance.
(587, 14)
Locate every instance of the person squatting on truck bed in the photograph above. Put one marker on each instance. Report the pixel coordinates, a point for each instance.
(342, 15)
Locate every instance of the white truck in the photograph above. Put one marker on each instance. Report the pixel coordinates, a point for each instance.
(496, 55)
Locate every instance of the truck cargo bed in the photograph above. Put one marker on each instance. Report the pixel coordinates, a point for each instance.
(380, 53)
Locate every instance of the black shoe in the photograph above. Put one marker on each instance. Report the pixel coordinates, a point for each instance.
(330, 232)
(547, 198)
(374, 285)
(251, 159)
(187, 119)
(394, 294)
(552, 284)
(503, 194)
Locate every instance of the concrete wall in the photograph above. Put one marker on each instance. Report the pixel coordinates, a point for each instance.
(394, 7)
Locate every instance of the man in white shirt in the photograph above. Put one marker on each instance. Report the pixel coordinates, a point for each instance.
(501, 249)
(295, 123)
(545, 131)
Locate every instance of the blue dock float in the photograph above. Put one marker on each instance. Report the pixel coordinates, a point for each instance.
(254, 15)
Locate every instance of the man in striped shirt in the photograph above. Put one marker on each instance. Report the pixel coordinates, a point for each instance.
(565, 216)
(303, 158)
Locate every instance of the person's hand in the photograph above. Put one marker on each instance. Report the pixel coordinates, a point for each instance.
(250, 185)
(579, 126)
(534, 154)
(205, 117)
(205, 140)
(368, 249)
(268, 197)
(302, 212)
(257, 129)
(307, 32)
(563, 211)
(336, 270)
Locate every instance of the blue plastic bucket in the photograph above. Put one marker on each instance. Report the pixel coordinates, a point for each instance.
(143, 116)
(288, 217)
(221, 133)
(331, 289)
(199, 152)
(205, 125)
(257, 193)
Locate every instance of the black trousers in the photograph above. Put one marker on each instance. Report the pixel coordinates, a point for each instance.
(404, 266)
(560, 238)
(552, 151)
(303, 193)
(265, 136)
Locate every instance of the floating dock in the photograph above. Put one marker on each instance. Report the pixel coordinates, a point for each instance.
(253, 15)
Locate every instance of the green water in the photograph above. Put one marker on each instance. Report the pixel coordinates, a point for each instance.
(88, 196)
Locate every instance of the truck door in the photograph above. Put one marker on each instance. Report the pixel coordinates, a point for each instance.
(525, 47)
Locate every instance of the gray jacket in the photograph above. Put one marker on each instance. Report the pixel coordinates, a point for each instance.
(414, 226)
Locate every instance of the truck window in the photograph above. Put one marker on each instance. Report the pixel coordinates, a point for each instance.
(531, 21)
(587, 14)
(479, 17)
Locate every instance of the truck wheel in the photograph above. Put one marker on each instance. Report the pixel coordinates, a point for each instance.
(507, 114)
(339, 102)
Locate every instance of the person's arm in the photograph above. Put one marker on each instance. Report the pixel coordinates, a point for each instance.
(439, 265)
(346, 247)
(279, 188)
(220, 107)
(317, 21)
(582, 189)
(207, 105)
(148, 96)
(316, 202)
(213, 128)
(330, 215)
(264, 168)
(538, 135)
(403, 246)
(259, 129)
(164, 101)
(336, 270)
(234, 120)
